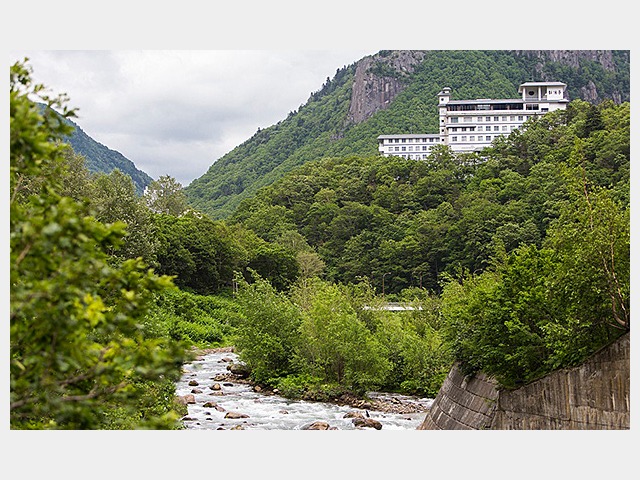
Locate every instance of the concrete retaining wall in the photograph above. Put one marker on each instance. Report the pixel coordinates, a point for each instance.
(594, 395)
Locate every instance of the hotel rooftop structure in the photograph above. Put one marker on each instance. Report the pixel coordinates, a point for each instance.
(471, 125)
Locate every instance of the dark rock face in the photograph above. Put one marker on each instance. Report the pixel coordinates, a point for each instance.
(378, 81)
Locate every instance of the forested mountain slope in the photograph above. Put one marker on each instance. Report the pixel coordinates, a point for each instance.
(102, 159)
(395, 92)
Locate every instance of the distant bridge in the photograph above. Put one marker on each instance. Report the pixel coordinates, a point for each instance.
(392, 307)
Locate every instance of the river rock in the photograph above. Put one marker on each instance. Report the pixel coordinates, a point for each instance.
(215, 386)
(317, 426)
(193, 383)
(210, 405)
(239, 369)
(234, 415)
(367, 423)
(186, 399)
(353, 414)
(196, 390)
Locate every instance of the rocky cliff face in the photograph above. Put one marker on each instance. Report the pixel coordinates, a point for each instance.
(378, 80)
(573, 59)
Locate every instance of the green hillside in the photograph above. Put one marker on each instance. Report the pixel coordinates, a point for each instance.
(322, 128)
(101, 159)
(104, 160)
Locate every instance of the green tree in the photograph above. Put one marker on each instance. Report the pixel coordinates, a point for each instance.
(334, 343)
(81, 356)
(268, 336)
(166, 195)
(197, 251)
(113, 198)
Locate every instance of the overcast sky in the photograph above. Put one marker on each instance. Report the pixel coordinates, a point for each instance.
(175, 112)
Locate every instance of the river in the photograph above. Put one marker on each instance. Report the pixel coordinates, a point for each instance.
(259, 411)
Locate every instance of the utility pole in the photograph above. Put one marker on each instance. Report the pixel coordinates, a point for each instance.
(383, 275)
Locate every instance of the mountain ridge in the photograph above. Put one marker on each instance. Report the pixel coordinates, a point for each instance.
(99, 158)
(102, 159)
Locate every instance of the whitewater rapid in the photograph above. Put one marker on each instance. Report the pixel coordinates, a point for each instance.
(258, 411)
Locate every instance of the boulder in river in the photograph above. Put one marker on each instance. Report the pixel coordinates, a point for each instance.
(187, 399)
(367, 423)
(239, 369)
(353, 414)
(215, 386)
(234, 415)
(317, 426)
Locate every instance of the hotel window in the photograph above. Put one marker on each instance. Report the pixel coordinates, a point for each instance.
(504, 128)
(512, 118)
(397, 149)
(454, 139)
(479, 128)
(496, 119)
(404, 149)
(454, 119)
(464, 138)
(496, 128)
(468, 119)
(488, 138)
(472, 138)
(504, 119)
(520, 118)
(411, 149)
(488, 119)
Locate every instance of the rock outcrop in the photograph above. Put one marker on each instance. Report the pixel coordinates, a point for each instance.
(378, 81)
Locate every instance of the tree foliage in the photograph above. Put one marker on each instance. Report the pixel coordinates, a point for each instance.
(80, 354)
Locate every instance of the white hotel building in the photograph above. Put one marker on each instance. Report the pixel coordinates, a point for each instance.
(471, 125)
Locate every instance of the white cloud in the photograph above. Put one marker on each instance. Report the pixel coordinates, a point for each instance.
(175, 112)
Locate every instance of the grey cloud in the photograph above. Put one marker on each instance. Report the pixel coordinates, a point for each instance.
(176, 112)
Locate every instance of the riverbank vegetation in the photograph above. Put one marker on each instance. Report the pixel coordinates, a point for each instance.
(515, 261)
